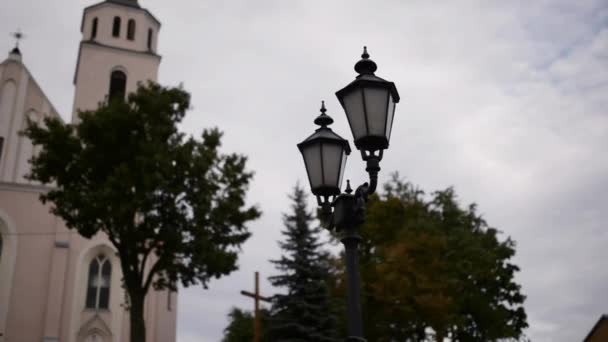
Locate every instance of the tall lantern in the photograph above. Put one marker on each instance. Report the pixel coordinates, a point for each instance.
(369, 102)
(324, 155)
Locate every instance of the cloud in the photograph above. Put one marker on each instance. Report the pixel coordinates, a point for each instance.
(504, 100)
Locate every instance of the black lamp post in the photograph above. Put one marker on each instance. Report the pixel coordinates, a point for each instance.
(369, 103)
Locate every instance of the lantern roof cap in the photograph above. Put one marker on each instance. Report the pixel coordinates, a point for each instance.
(324, 133)
(348, 190)
(370, 80)
(323, 119)
(366, 68)
(366, 65)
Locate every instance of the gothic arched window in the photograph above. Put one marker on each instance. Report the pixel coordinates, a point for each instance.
(118, 85)
(150, 39)
(98, 286)
(116, 27)
(94, 29)
(131, 30)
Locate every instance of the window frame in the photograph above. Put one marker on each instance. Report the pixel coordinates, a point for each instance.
(1, 148)
(94, 27)
(150, 34)
(131, 29)
(116, 27)
(96, 274)
(114, 93)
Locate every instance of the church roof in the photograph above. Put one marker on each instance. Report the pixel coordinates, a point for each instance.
(15, 56)
(130, 3)
(127, 3)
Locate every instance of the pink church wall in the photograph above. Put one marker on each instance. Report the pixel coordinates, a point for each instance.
(49, 283)
(31, 275)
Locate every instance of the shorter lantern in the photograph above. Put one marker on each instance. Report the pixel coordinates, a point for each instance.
(324, 155)
(369, 102)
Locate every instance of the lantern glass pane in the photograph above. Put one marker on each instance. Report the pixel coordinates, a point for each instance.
(342, 167)
(353, 106)
(390, 116)
(376, 103)
(332, 160)
(312, 159)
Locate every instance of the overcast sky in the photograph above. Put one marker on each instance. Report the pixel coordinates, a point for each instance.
(505, 100)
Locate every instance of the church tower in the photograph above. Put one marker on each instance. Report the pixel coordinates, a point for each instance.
(117, 50)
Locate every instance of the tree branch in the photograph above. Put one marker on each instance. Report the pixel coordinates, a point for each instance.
(153, 270)
(142, 265)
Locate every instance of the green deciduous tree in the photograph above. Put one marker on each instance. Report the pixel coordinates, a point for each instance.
(433, 270)
(305, 311)
(173, 206)
(240, 326)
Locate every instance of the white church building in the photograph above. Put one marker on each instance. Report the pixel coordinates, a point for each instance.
(56, 286)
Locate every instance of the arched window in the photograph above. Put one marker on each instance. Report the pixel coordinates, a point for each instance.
(1, 147)
(94, 28)
(118, 85)
(150, 39)
(25, 147)
(116, 27)
(8, 95)
(98, 287)
(131, 30)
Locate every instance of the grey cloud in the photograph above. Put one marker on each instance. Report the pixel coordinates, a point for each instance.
(504, 100)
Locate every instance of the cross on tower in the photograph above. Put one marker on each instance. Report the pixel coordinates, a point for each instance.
(257, 326)
(18, 35)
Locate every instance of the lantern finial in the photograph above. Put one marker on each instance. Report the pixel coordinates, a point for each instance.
(323, 120)
(366, 66)
(348, 189)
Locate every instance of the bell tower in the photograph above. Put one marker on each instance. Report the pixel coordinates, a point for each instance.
(118, 49)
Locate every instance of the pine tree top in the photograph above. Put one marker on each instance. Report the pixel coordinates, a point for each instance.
(304, 313)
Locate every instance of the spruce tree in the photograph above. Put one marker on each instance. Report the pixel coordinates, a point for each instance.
(305, 311)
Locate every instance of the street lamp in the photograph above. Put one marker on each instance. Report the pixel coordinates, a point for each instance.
(369, 103)
(324, 155)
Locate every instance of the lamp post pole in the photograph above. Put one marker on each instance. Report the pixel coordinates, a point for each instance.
(369, 103)
(355, 322)
(351, 239)
(346, 220)
(349, 215)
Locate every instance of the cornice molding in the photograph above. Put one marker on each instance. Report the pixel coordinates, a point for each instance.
(129, 51)
(95, 44)
(19, 187)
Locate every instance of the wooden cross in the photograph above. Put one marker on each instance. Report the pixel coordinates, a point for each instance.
(257, 326)
(18, 37)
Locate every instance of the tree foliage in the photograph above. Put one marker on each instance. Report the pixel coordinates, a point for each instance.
(432, 270)
(240, 326)
(305, 311)
(173, 206)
